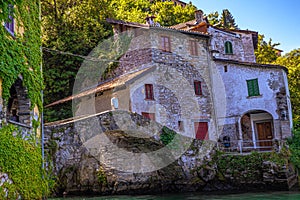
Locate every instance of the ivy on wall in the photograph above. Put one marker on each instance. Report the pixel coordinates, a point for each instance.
(21, 53)
(22, 160)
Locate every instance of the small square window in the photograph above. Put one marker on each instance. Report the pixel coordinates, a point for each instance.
(165, 43)
(180, 126)
(197, 87)
(193, 48)
(253, 88)
(225, 68)
(149, 95)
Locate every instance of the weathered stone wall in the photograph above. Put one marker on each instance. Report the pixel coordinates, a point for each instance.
(242, 45)
(232, 94)
(82, 160)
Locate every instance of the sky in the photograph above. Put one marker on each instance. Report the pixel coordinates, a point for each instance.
(276, 19)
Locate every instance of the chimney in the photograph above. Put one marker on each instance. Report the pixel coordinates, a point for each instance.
(150, 20)
(199, 16)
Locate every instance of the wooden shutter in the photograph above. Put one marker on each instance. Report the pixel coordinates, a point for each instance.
(165, 43)
(149, 92)
(253, 88)
(149, 115)
(193, 48)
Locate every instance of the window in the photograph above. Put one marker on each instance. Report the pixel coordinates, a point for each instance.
(149, 115)
(253, 89)
(180, 126)
(193, 48)
(201, 130)
(228, 48)
(9, 24)
(197, 87)
(225, 68)
(165, 43)
(149, 95)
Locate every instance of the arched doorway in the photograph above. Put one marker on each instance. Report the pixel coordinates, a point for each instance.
(18, 106)
(257, 131)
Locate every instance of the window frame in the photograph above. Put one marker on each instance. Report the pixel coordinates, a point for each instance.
(198, 88)
(181, 125)
(253, 87)
(10, 23)
(193, 46)
(228, 47)
(149, 92)
(165, 43)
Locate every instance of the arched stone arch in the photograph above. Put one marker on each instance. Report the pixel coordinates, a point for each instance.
(18, 106)
(257, 130)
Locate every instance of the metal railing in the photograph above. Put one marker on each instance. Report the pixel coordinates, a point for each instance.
(247, 146)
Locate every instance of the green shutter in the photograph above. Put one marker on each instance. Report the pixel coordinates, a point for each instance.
(253, 89)
(228, 47)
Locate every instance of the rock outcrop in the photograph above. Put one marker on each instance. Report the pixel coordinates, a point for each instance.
(122, 153)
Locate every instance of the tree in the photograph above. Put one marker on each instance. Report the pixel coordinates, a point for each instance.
(225, 20)
(168, 15)
(291, 60)
(266, 52)
(74, 27)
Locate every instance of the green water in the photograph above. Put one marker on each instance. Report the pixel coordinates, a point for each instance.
(198, 196)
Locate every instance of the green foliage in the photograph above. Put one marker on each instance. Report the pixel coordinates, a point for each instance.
(168, 15)
(69, 26)
(101, 176)
(77, 28)
(21, 53)
(223, 20)
(294, 144)
(266, 52)
(167, 135)
(291, 60)
(22, 161)
(249, 166)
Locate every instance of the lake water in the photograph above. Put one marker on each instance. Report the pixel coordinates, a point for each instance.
(199, 196)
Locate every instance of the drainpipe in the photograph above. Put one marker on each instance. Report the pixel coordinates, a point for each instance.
(42, 94)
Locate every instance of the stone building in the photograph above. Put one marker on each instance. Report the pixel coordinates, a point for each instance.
(21, 63)
(197, 79)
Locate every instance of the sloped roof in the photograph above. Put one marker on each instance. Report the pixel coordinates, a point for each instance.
(118, 81)
(138, 25)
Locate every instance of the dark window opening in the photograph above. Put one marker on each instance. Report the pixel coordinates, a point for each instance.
(197, 87)
(225, 68)
(180, 126)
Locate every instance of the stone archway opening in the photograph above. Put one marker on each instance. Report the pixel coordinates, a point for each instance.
(18, 106)
(257, 131)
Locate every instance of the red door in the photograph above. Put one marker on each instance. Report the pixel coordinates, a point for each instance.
(149, 115)
(201, 130)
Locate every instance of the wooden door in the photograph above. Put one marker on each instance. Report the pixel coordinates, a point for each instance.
(201, 130)
(265, 135)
